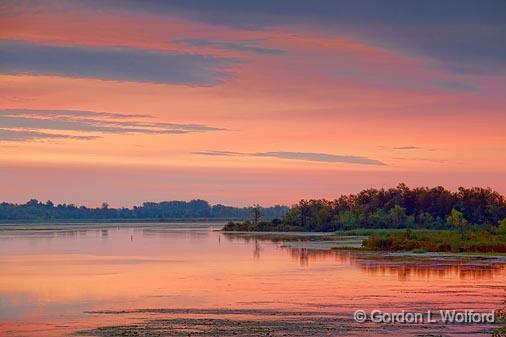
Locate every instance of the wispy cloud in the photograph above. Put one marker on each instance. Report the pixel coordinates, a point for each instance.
(25, 135)
(69, 113)
(250, 46)
(407, 147)
(434, 160)
(219, 153)
(307, 156)
(118, 64)
(34, 121)
(459, 86)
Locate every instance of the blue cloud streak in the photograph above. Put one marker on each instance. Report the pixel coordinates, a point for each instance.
(119, 64)
(465, 36)
(308, 156)
(250, 46)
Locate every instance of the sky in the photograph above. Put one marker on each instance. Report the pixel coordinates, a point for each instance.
(242, 102)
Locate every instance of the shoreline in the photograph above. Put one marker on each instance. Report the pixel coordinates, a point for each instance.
(341, 244)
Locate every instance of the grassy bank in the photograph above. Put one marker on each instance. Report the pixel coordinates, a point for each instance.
(275, 225)
(473, 241)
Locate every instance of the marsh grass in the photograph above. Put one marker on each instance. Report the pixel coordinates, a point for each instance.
(474, 241)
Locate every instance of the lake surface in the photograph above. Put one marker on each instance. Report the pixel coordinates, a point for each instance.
(189, 280)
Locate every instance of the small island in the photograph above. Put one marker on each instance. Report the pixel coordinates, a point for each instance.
(470, 220)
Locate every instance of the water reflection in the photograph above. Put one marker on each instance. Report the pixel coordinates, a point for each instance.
(174, 233)
(256, 250)
(305, 256)
(61, 273)
(435, 269)
(404, 267)
(294, 244)
(278, 237)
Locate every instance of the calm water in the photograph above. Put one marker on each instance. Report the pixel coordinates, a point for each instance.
(57, 282)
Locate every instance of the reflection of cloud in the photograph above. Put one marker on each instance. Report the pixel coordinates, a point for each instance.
(308, 156)
(26, 124)
(120, 64)
(250, 46)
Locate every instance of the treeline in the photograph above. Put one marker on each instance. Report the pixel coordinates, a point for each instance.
(399, 207)
(166, 210)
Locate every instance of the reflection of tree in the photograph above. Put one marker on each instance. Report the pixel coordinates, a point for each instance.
(404, 267)
(256, 250)
(277, 238)
(432, 268)
(304, 255)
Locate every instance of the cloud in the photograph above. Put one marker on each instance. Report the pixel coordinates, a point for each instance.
(250, 46)
(118, 64)
(25, 135)
(307, 156)
(383, 78)
(459, 86)
(422, 159)
(69, 113)
(34, 121)
(465, 37)
(219, 153)
(408, 147)
(261, 13)
(460, 49)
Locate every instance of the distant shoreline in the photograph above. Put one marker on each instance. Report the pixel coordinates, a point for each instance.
(76, 225)
(112, 221)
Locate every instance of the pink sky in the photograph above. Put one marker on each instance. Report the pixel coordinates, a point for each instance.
(126, 105)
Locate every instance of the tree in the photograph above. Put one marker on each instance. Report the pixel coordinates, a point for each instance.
(257, 213)
(457, 219)
(502, 226)
(397, 216)
(347, 219)
(304, 210)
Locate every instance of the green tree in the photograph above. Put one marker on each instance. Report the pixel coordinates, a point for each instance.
(456, 218)
(379, 218)
(502, 226)
(347, 218)
(397, 215)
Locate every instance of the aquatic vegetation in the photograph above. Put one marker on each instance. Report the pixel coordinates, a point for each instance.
(481, 241)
